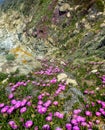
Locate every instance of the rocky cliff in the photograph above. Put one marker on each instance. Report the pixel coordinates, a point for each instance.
(70, 29)
(63, 41)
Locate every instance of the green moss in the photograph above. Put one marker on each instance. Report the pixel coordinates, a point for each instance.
(3, 76)
(100, 5)
(76, 105)
(10, 57)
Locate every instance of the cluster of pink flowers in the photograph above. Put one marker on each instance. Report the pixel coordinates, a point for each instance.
(18, 84)
(13, 125)
(89, 92)
(42, 106)
(78, 121)
(51, 70)
(15, 104)
(61, 87)
(59, 115)
(103, 79)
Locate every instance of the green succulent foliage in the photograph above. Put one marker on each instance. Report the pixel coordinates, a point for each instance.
(3, 76)
(10, 57)
(100, 5)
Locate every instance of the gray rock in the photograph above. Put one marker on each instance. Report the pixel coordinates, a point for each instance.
(64, 7)
(74, 93)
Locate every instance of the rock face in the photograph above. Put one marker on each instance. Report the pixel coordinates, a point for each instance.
(13, 40)
(63, 32)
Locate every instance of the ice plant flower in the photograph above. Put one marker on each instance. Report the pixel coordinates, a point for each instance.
(11, 96)
(80, 119)
(76, 128)
(28, 124)
(18, 104)
(83, 124)
(29, 103)
(55, 103)
(68, 126)
(40, 102)
(13, 102)
(74, 122)
(42, 110)
(59, 115)
(13, 125)
(98, 113)
(77, 111)
(46, 127)
(49, 118)
(47, 103)
(88, 113)
(4, 109)
(23, 102)
(54, 80)
(2, 105)
(23, 109)
(97, 121)
(40, 97)
(10, 110)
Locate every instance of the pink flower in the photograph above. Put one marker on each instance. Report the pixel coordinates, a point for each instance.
(55, 103)
(83, 124)
(22, 110)
(46, 127)
(23, 103)
(29, 103)
(18, 104)
(40, 97)
(68, 126)
(47, 103)
(54, 80)
(97, 121)
(99, 101)
(42, 110)
(10, 110)
(28, 124)
(86, 92)
(58, 128)
(13, 125)
(2, 105)
(74, 122)
(98, 114)
(80, 119)
(77, 111)
(103, 104)
(88, 113)
(13, 101)
(101, 110)
(4, 109)
(59, 115)
(49, 118)
(76, 128)
(10, 96)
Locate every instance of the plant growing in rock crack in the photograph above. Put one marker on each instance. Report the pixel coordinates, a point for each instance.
(10, 57)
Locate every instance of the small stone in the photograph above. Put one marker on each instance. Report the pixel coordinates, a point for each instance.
(94, 71)
(102, 25)
(61, 76)
(64, 7)
(68, 15)
(71, 81)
